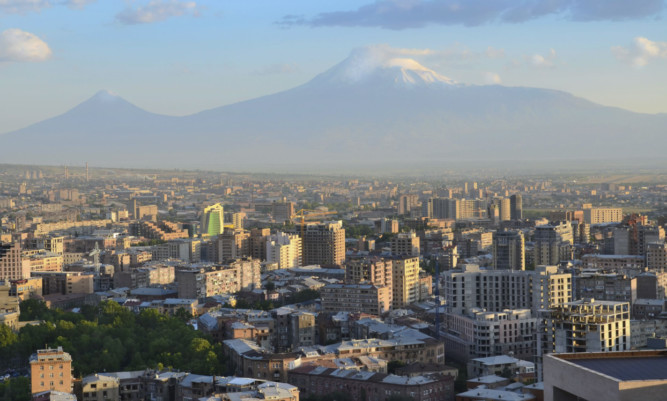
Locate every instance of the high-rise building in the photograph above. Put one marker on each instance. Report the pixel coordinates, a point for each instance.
(407, 202)
(442, 208)
(232, 244)
(238, 220)
(374, 271)
(496, 290)
(324, 244)
(586, 325)
(282, 211)
(51, 370)
(656, 256)
(634, 239)
(212, 220)
(12, 267)
(516, 207)
(552, 243)
(505, 209)
(285, 250)
(258, 239)
(509, 250)
(405, 281)
(406, 244)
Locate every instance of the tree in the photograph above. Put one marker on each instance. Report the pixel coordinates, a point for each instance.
(393, 365)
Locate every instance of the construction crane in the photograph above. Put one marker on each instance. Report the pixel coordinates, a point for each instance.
(311, 213)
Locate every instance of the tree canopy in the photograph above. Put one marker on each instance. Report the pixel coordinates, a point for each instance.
(111, 338)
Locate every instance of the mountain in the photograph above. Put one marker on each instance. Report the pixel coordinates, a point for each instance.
(369, 108)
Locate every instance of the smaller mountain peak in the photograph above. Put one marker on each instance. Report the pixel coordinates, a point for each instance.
(105, 95)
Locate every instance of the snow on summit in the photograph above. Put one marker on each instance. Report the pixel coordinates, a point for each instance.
(381, 64)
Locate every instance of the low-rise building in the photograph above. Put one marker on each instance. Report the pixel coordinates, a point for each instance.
(368, 386)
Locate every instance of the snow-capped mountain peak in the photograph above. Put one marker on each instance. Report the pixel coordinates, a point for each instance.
(378, 65)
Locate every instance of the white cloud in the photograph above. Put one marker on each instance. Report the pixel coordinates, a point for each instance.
(17, 45)
(540, 61)
(492, 78)
(156, 10)
(24, 6)
(641, 51)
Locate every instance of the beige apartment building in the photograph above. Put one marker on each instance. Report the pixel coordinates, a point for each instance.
(51, 370)
(12, 266)
(406, 244)
(364, 298)
(374, 271)
(44, 261)
(99, 387)
(405, 282)
(232, 244)
(285, 250)
(598, 215)
(65, 283)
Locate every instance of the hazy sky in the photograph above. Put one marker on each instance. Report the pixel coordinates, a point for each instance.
(179, 57)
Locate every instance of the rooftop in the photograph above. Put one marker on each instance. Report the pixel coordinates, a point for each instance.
(627, 368)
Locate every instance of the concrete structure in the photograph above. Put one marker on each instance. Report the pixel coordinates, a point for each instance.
(586, 325)
(11, 263)
(324, 244)
(405, 282)
(405, 244)
(552, 243)
(100, 387)
(508, 250)
(516, 207)
(358, 385)
(9, 307)
(374, 271)
(600, 215)
(65, 283)
(285, 250)
(605, 287)
(50, 370)
(408, 202)
(482, 334)
(243, 274)
(656, 256)
(185, 249)
(365, 298)
(496, 290)
(651, 285)
(499, 365)
(232, 244)
(282, 211)
(26, 288)
(613, 263)
(614, 376)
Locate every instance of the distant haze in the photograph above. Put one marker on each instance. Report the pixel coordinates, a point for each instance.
(365, 110)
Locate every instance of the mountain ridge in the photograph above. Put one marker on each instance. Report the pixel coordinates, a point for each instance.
(372, 108)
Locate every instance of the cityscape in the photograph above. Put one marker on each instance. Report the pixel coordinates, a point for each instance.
(381, 200)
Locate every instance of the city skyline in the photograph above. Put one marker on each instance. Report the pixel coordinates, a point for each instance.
(178, 58)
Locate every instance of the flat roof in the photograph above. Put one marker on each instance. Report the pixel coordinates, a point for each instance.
(626, 369)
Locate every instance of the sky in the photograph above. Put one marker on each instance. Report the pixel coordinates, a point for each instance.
(180, 57)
